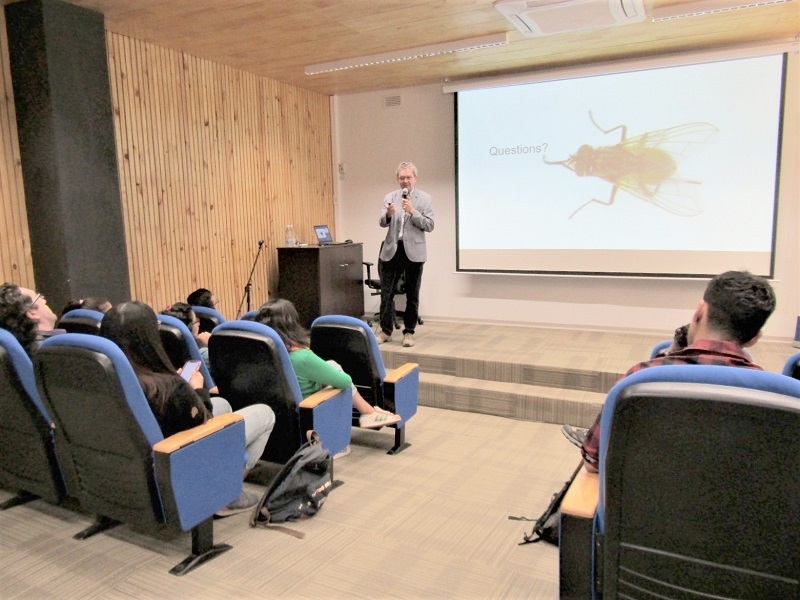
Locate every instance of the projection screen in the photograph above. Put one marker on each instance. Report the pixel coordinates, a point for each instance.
(670, 171)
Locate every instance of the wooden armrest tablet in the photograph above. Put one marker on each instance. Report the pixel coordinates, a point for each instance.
(319, 397)
(400, 372)
(582, 496)
(183, 438)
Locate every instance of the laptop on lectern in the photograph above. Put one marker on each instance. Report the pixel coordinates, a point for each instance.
(323, 234)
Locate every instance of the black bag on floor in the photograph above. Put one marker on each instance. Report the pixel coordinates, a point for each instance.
(300, 487)
(546, 527)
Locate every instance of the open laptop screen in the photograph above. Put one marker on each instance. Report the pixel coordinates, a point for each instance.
(323, 234)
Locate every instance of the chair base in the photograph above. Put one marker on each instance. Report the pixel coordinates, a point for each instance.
(203, 549)
(400, 443)
(100, 525)
(18, 500)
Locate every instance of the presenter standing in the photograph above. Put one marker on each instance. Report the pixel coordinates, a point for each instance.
(408, 215)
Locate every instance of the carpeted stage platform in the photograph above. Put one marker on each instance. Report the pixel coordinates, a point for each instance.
(540, 374)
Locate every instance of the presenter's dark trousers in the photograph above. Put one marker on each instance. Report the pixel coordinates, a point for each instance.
(391, 272)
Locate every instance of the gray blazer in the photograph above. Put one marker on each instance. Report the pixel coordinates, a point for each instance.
(414, 226)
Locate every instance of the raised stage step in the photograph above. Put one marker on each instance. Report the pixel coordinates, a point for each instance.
(513, 400)
(540, 374)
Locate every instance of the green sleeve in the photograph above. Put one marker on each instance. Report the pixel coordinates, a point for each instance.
(313, 373)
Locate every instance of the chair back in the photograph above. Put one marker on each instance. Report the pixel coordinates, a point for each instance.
(660, 349)
(105, 429)
(351, 343)
(792, 366)
(251, 365)
(250, 315)
(698, 484)
(28, 460)
(208, 317)
(181, 346)
(81, 320)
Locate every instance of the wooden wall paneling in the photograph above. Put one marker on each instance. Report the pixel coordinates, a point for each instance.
(213, 160)
(16, 263)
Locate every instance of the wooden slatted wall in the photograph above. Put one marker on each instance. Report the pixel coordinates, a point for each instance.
(212, 160)
(16, 264)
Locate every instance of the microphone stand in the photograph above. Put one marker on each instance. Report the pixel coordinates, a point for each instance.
(250, 282)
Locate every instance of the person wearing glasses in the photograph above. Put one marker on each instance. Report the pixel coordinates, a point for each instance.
(407, 215)
(183, 312)
(24, 313)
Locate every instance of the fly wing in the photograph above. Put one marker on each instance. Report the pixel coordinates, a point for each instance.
(677, 141)
(673, 195)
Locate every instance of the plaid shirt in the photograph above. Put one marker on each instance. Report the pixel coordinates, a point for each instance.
(702, 352)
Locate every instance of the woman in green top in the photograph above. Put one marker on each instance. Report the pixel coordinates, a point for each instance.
(312, 372)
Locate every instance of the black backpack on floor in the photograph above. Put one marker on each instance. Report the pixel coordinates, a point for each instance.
(546, 528)
(300, 487)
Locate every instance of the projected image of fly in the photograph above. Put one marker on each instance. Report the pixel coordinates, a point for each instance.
(644, 166)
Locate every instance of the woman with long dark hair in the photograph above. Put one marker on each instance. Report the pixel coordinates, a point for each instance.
(176, 404)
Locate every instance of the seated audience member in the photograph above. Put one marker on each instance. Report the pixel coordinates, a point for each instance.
(203, 297)
(25, 315)
(728, 319)
(312, 372)
(183, 312)
(89, 303)
(178, 405)
(576, 435)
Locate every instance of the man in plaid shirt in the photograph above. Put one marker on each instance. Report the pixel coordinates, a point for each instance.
(729, 318)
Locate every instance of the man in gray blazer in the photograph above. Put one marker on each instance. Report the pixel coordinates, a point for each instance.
(408, 215)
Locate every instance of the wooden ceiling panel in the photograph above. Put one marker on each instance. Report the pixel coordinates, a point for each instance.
(278, 38)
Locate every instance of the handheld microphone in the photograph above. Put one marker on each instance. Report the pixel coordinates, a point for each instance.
(405, 193)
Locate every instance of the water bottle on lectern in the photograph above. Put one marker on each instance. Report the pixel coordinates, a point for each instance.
(291, 239)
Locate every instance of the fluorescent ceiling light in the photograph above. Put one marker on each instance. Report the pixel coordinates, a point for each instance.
(486, 41)
(701, 8)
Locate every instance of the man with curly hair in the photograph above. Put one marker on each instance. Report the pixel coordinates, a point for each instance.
(25, 315)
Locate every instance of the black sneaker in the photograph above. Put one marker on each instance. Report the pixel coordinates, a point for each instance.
(575, 435)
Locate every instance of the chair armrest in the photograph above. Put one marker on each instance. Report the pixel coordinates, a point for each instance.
(329, 412)
(200, 470)
(402, 371)
(582, 496)
(401, 391)
(575, 544)
(319, 397)
(182, 438)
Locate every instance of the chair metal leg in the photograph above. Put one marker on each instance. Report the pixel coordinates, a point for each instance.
(203, 548)
(399, 441)
(21, 498)
(100, 525)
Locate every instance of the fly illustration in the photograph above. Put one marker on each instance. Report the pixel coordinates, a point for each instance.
(643, 166)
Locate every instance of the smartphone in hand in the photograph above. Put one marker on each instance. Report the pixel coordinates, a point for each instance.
(189, 369)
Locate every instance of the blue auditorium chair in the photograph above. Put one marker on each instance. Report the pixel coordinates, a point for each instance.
(28, 463)
(117, 463)
(181, 346)
(698, 475)
(660, 349)
(351, 343)
(208, 317)
(792, 366)
(250, 315)
(251, 365)
(81, 320)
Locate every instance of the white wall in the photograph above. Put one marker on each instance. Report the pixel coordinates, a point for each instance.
(370, 140)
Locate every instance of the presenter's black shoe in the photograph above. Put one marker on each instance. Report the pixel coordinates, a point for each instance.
(575, 435)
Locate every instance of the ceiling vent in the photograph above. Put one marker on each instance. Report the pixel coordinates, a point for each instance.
(549, 17)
